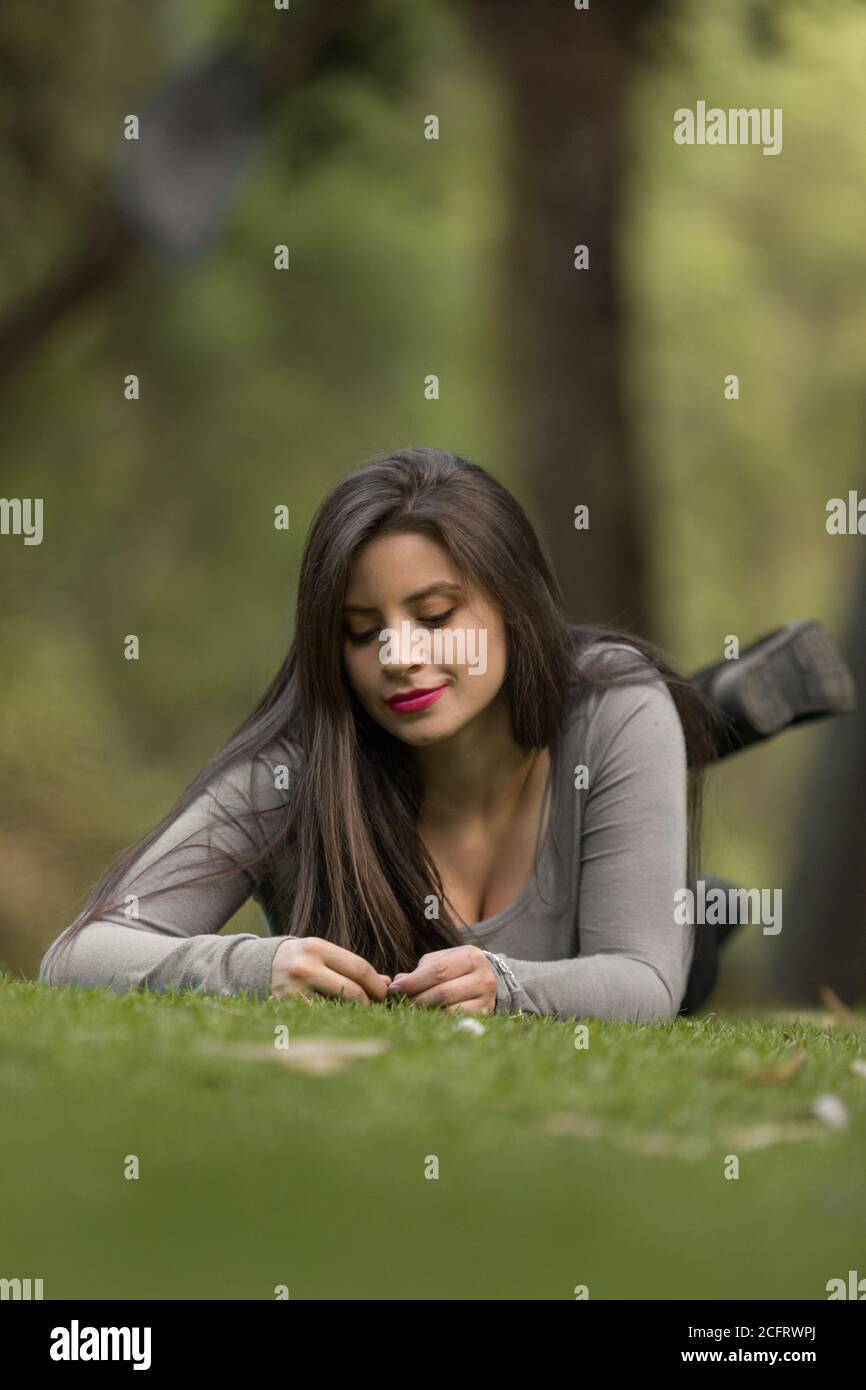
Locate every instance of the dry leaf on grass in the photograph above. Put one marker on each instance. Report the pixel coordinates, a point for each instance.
(840, 1011)
(838, 1014)
(320, 1056)
(653, 1142)
(659, 1144)
(777, 1071)
(773, 1132)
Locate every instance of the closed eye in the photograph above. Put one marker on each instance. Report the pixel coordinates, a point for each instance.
(438, 618)
(359, 638)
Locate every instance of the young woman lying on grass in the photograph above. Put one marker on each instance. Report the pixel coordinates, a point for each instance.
(498, 819)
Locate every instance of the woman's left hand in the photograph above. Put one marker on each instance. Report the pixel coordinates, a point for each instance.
(460, 977)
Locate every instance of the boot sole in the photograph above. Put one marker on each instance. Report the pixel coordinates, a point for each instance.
(793, 675)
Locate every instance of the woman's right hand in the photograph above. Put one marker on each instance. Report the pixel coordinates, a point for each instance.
(311, 965)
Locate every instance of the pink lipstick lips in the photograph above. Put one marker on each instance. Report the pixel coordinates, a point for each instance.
(407, 701)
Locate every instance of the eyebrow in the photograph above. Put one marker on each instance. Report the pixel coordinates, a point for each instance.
(437, 588)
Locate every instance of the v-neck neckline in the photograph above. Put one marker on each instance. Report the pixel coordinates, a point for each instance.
(543, 834)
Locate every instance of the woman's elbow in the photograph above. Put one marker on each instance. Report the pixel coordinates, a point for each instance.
(647, 995)
(663, 998)
(47, 966)
(53, 968)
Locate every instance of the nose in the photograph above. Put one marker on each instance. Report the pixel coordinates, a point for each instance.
(396, 653)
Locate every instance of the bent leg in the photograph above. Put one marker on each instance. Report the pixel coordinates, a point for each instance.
(709, 939)
(792, 675)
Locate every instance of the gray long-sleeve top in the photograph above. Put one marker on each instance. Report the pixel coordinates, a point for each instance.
(593, 934)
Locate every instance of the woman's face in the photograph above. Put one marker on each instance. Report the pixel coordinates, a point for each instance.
(423, 654)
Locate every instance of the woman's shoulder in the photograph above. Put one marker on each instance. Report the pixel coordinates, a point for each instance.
(619, 665)
(630, 681)
(616, 653)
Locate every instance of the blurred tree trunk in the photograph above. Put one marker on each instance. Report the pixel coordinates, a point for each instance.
(823, 934)
(567, 75)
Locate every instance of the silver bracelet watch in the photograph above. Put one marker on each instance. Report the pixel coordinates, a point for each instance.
(506, 971)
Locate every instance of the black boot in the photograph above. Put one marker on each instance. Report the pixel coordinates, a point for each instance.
(794, 674)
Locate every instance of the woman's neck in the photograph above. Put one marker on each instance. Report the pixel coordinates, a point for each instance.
(478, 770)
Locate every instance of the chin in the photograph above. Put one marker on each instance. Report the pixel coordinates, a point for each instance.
(427, 740)
(438, 732)
(420, 738)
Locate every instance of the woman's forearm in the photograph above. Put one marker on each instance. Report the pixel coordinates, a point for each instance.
(602, 986)
(127, 957)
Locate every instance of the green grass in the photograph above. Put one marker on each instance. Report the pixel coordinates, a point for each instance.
(253, 1174)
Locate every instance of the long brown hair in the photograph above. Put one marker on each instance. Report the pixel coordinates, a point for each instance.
(358, 873)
